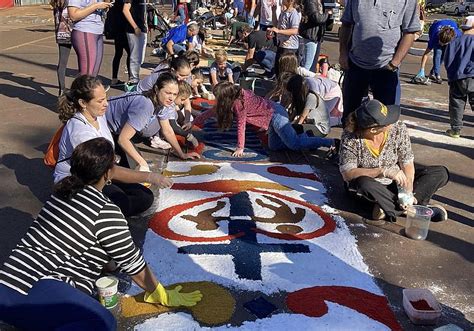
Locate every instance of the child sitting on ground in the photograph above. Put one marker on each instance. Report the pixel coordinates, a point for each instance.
(246, 107)
(177, 120)
(221, 70)
(197, 84)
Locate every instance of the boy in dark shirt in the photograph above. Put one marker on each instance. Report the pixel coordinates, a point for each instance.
(459, 62)
(261, 48)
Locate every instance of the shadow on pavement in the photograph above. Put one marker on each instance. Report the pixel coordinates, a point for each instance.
(434, 115)
(31, 173)
(17, 222)
(29, 91)
(467, 151)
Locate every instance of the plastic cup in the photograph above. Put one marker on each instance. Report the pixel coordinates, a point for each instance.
(418, 222)
(107, 287)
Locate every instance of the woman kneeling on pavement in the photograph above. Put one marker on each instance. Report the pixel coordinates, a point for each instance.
(47, 281)
(376, 162)
(135, 116)
(83, 109)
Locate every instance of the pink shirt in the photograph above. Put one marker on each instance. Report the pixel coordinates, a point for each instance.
(252, 109)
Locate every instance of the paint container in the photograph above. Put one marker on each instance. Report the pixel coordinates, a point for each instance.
(425, 316)
(418, 222)
(107, 288)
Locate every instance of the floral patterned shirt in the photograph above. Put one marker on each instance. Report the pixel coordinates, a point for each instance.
(396, 151)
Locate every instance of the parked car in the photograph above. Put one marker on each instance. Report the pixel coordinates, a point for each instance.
(434, 3)
(469, 6)
(456, 8)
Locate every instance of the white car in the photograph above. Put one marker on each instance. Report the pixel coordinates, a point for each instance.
(456, 8)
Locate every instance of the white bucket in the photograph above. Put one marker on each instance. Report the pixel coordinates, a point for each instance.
(108, 291)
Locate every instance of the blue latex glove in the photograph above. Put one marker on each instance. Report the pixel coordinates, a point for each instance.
(421, 73)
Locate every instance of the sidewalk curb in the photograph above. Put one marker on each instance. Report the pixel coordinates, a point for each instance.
(26, 20)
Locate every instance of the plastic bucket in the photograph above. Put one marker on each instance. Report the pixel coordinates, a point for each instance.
(418, 222)
(107, 288)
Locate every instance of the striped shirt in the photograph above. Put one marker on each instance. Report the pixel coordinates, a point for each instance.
(71, 240)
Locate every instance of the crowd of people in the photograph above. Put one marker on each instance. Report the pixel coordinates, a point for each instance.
(101, 177)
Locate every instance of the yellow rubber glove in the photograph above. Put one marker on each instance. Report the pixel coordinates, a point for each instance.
(173, 298)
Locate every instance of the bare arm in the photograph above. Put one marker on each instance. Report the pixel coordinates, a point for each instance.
(424, 58)
(230, 78)
(359, 172)
(286, 32)
(146, 279)
(124, 140)
(128, 15)
(169, 47)
(303, 116)
(213, 76)
(345, 34)
(126, 175)
(409, 171)
(250, 53)
(403, 47)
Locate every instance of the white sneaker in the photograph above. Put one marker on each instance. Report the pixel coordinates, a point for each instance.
(157, 142)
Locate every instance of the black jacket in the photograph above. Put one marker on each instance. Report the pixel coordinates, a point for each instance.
(313, 22)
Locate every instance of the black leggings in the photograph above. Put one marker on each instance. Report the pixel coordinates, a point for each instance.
(132, 199)
(64, 51)
(428, 179)
(121, 43)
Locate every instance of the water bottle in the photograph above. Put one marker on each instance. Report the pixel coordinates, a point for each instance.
(325, 67)
(405, 198)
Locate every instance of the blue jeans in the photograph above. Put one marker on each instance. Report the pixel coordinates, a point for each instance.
(310, 48)
(177, 48)
(266, 58)
(53, 305)
(385, 85)
(438, 55)
(282, 135)
(137, 46)
(181, 16)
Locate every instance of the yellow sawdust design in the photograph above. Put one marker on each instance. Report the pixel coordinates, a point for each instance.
(197, 170)
(216, 307)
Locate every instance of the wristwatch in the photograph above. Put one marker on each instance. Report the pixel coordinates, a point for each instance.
(390, 66)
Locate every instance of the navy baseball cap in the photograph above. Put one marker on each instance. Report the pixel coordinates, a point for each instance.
(374, 113)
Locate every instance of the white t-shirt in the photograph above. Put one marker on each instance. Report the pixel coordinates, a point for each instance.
(77, 131)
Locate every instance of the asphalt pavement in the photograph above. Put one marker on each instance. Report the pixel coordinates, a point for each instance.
(443, 263)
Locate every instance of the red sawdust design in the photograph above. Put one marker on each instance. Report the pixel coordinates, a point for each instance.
(197, 103)
(311, 302)
(160, 221)
(284, 171)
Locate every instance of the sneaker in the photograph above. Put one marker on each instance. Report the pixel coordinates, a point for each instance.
(453, 133)
(436, 79)
(377, 213)
(421, 80)
(130, 87)
(439, 213)
(157, 142)
(333, 152)
(116, 82)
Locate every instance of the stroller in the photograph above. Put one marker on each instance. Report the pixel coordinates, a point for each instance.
(156, 22)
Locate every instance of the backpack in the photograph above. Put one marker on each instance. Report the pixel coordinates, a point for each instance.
(52, 152)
